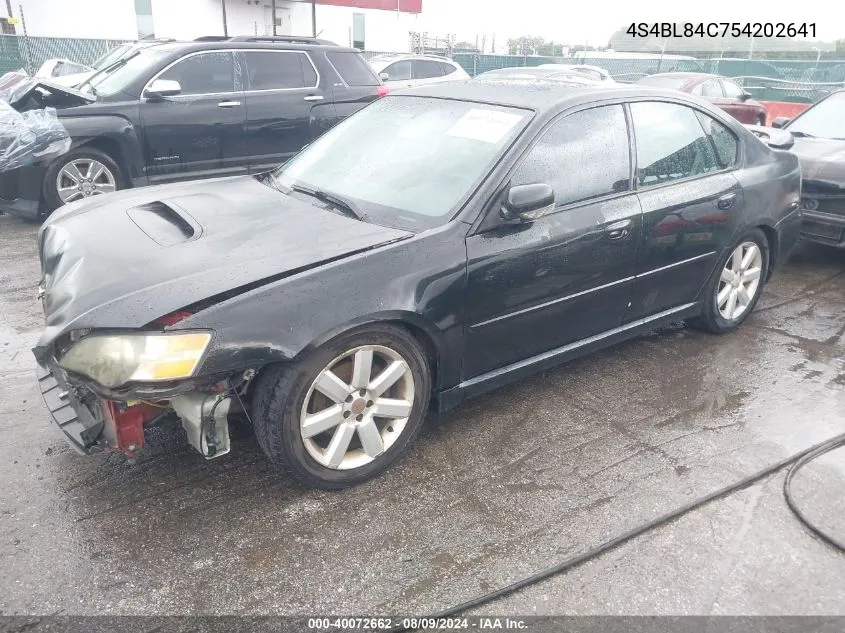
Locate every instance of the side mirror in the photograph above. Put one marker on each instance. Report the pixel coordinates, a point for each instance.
(384, 76)
(162, 88)
(781, 121)
(745, 96)
(528, 202)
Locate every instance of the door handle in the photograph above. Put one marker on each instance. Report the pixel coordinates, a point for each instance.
(618, 230)
(314, 98)
(726, 201)
(228, 104)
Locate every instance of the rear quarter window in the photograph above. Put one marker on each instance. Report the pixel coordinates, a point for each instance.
(352, 68)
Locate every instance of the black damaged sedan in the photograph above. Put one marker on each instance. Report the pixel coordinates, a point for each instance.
(818, 139)
(437, 244)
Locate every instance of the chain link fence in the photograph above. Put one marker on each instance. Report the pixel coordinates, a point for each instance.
(18, 51)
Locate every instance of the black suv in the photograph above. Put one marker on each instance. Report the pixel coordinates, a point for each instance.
(182, 110)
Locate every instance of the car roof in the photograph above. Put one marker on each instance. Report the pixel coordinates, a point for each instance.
(691, 76)
(247, 43)
(536, 72)
(401, 56)
(532, 94)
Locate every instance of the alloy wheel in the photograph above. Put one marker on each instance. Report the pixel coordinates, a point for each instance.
(84, 177)
(357, 407)
(739, 281)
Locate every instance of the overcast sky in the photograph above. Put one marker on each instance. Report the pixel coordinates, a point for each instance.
(573, 22)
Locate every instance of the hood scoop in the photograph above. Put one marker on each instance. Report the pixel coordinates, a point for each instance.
(164, 222)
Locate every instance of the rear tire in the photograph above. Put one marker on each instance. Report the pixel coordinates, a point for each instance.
(729, 296)
(70, 172)
(339, 439)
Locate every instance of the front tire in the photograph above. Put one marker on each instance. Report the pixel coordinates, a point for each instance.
(736, 285)
(81, 173)
(347, 411)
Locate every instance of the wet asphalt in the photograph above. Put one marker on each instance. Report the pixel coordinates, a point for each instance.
(503, 486)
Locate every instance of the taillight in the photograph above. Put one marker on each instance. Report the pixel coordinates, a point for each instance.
(382, 91)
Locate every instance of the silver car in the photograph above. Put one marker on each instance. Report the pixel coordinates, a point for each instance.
(592, 72)
(401, 71)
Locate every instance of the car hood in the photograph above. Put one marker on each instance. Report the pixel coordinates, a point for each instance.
(123, 260)
(74, 80)
(16, 87)
(822, 160)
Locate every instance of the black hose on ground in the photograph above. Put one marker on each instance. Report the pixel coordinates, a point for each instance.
(798, 460)
(790, 501)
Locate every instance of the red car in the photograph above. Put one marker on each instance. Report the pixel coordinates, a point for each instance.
(720, 91)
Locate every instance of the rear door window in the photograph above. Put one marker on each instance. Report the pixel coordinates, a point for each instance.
(352, 68)
(671, 143)
(711, 89)
(447, 68)
(732, 91)
(724, 141)
(276, 70)
(426, 69)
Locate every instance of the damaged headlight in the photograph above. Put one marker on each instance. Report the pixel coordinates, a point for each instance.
(113, 360)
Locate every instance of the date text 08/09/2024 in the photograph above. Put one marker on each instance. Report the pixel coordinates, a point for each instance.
(723, 29)
(414, 623)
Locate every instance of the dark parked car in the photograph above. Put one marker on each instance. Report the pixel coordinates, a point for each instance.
(720, 91)
(175, 111)
(437, 244)
(819, 143)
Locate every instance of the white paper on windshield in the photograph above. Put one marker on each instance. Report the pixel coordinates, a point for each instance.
(487, 126)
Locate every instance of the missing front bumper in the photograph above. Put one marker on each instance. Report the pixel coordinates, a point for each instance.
(205, 418)
(81, 427)
(104, 425)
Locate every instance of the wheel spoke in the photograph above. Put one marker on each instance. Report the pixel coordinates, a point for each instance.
(390, 408)
(731, 305)
(371, 439)
(97, 169)
(70, 196)
(387, 378)
(316, 423)
(727, 275)
(340, 442)
(751, 274)
(750, 254)
(743, 296)
(722, 297)
(103, 188)
(331, 386)
(736, 265)
(72, 171)
(362, 368)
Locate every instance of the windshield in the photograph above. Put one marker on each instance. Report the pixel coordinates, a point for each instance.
(666, 81)
(826, 119)
(111, 56)
(140, 63)
(407, 162)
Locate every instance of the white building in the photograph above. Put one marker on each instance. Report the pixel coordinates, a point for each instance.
(376, 25)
